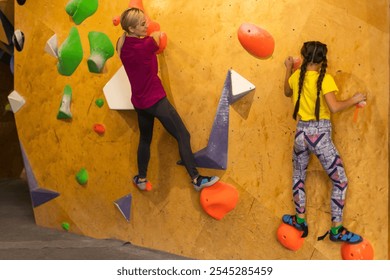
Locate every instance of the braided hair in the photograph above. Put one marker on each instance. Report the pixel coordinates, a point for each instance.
(312, 52)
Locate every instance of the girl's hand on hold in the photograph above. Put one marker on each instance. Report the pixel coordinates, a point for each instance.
(360, 99)
(289, 62)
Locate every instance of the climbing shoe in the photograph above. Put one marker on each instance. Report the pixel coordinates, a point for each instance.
(292, 221)
(204, 181)
(343, 235)
(143, 185)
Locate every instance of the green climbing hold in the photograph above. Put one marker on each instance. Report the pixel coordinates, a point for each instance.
(64, 112)
(80, 10)
(70, 53)
(65, 226)
(82, 176)
(99, 102)
(101, 49)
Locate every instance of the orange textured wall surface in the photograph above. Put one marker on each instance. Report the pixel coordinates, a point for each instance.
(202, 46)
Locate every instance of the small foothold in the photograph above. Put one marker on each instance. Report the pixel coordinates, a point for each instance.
(99, 128)
(65, 226)
(99, 102)
(82, 176)
(116, 20)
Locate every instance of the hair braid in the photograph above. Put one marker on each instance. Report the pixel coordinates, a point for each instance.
(319, 87)
(300, 86)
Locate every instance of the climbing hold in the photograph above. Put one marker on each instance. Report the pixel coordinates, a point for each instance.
(214, 155)
(11, 64)
(65, 226)
(116, 20)
(290, 237)
(357, 107)
(219, 199)
(99, 102)
(79, 10)
(99, 128)
(101, 49)
(64, 111)
(70, 53)
(16, 101)
(137, 4)
(82, 176)
(18, 40)
(359, 251)
(163, 43)
(21, 2)
(257, 41)
(117, 91)
(124, 206)
(51, 46)
(152, 27)
(297, 61)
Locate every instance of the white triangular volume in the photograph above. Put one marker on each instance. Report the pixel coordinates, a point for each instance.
(52, 46)
(16, 101)
(240, 85)
(118, 91)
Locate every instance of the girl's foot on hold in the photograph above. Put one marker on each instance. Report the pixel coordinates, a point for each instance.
(142, 183)
(203, 181)
(341, 234)
(292, 221)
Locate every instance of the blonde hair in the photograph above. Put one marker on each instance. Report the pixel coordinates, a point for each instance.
(130, 18)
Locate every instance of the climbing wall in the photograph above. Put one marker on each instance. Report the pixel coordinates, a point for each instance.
(80, 155)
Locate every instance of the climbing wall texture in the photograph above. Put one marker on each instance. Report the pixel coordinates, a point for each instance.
(202, 47)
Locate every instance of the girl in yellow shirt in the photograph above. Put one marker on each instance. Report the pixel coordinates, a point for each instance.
(314, 95)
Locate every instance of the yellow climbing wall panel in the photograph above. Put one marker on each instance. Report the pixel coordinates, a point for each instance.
(202, 46)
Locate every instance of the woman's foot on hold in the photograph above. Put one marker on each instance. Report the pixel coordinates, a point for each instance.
(203, 181)
(292, 220)
(142, 183)
(341, 234)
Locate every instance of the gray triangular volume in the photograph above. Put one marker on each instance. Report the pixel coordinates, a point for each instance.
(41, 196)
(124, 205)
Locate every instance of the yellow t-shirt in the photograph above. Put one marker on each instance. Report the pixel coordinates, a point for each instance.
(309, 94)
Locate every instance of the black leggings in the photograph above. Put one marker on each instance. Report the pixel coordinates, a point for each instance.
(170, 119)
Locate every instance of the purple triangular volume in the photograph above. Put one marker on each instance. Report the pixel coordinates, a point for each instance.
(41, 196)
(32, 182)
(124, 205)
(215, 154)
(38, 195)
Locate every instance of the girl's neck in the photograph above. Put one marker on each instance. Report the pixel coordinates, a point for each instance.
(313, 67)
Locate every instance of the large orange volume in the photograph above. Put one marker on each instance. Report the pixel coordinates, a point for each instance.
(257, 41)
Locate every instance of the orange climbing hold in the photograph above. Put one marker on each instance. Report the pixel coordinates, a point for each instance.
(257, 41)
(116, 20)
(152, 27)
(290, 237)
(136, 4)
(359, 251)
(163, 42)
(219, 199)
(99, 128)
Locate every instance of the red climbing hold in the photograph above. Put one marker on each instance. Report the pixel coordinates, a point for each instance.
(99, 128)
(290, 237)
(219, 199)
(257, 41)
(359, 251)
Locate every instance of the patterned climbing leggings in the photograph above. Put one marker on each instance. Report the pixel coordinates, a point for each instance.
(315, 137)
